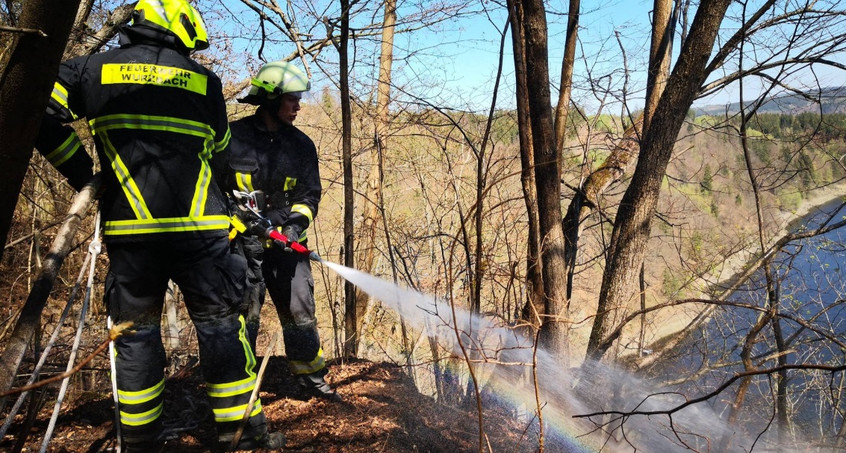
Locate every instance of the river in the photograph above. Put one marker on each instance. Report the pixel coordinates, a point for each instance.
(811, 293)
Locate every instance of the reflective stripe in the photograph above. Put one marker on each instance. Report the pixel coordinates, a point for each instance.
(165, 225)
(235, 413)
(141, 396)
(298, 367)
(130, 189)
(144, 221)
(64, 151)
(201, 191)
(290, 183)
(244, 181)
(153, 123)
(220, 390)
(221, 145)
(143, 418)
(304, 210)
(231, 388)
(241, 387)
(250, 366)
(162, 19)
(60, 95)
(153, 74)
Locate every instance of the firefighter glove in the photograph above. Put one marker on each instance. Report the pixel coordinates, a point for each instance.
(258, 226)
(292, 232)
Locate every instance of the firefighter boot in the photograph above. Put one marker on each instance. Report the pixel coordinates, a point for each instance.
(135, 445)
(269, 441)
(144, 439)
(314, 384)
(142, 447)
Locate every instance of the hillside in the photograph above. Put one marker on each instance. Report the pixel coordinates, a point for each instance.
(831, 100)
(706, 217)
(381, 411)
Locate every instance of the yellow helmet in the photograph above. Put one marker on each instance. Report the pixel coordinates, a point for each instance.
(177, 17)
(275, 79)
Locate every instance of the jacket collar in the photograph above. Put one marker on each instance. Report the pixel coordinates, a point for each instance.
(140, 34)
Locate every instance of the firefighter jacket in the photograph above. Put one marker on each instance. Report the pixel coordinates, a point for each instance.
(157, 118)
(282, 164)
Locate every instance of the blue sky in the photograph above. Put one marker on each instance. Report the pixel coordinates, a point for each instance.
(609, 32)
(453, 63)
(475, 43)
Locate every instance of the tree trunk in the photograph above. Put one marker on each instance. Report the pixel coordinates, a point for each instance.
(663, 29)
(588, 198)
(632, 225)
(373, 203)
(95, 42)
(554, 330)
(567, 64)
(622, 156)
(534, 304)
(171, 302)
(773, 299)
(25, 86)
(79, 30)
(351, 333)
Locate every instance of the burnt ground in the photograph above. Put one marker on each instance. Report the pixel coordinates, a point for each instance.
(382, 412)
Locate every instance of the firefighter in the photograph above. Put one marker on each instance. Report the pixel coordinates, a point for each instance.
(158, 118)
(272, 156)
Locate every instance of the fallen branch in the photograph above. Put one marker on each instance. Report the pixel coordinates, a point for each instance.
(114, 333)
(737, 376)
(29, 320)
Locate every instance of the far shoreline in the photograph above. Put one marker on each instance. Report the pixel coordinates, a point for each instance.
(818, 199)
(734, 265)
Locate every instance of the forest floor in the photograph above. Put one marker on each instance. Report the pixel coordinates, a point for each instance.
(381, 411)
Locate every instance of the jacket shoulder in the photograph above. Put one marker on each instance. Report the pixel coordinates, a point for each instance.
(302, 137)
(244, 124)
(242, 145)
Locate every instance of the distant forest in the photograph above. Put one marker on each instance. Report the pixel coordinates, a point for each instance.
(826, 127)
(827, 101)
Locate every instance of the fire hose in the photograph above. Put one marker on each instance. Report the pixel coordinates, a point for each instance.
(248, 219)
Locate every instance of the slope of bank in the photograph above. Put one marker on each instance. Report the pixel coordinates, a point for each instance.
(381, 412)
(732, 267)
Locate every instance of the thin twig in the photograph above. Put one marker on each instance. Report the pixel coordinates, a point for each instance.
(25, 31)
(36, 372)
(114, 333)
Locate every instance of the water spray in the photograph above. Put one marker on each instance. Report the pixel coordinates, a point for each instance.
(565, 410)
(659, 422)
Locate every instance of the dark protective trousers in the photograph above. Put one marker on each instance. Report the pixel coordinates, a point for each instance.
(288, 279)
(212, 281)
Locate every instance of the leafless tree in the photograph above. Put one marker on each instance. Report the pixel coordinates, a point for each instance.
(547, 173)
(42, 30)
